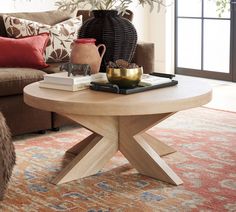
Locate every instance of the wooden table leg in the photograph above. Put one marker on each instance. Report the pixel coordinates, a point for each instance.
(77, 148)
(94, 151)
(161, 148)
(138, 147)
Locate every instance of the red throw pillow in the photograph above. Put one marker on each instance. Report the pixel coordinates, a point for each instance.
(25, 52)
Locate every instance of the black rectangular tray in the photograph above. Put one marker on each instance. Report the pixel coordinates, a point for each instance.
(107, 87)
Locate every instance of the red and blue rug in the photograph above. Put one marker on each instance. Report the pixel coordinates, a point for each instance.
(206, 162)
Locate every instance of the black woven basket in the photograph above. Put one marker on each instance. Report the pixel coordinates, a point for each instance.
(116, 32)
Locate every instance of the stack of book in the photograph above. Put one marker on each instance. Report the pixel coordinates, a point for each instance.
(61, 81)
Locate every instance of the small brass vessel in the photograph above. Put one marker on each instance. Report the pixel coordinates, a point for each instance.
(124, 77)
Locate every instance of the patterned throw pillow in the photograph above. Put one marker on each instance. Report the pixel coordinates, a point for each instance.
(61, 35)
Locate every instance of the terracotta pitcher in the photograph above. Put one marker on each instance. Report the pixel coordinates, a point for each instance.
(84, 51)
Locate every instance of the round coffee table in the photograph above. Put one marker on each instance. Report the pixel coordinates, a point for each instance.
(119, 122)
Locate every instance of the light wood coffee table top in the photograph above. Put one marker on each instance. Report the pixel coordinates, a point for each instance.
(187, 94)
(119, 122)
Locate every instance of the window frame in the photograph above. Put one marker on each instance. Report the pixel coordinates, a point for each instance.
(231, 76)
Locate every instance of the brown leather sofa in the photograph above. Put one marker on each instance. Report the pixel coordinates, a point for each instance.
(20, 117)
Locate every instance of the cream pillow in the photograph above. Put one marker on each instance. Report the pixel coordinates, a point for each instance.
(61, 35)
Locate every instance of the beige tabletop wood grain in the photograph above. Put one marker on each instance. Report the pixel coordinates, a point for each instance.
(187, 94)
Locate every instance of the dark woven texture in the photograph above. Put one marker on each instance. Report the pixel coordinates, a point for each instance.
(116, 32)
(7, 156)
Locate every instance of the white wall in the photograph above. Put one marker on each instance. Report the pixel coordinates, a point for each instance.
(161, 32)
(141, 21)
(157, 27)
(26, 5)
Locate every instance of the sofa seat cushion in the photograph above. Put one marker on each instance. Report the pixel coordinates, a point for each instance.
(13, 80)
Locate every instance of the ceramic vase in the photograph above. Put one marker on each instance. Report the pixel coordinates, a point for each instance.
(84, 51)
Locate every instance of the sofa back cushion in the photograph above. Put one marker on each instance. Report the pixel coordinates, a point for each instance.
(48, 17)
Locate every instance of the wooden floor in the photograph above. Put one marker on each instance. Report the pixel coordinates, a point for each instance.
(224, 95)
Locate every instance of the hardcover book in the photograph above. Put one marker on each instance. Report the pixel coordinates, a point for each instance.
(75, 87)
(63, 79)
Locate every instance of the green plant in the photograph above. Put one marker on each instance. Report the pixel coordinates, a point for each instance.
(120, 5)
(222, 6)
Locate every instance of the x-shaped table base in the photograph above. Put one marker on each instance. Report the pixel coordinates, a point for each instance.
(126, 134)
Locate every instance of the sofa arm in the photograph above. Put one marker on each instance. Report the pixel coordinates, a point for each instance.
(144, 56)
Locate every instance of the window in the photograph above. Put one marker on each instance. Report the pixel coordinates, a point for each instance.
(204, 41)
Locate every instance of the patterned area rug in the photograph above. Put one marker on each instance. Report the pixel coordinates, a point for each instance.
(206, 162)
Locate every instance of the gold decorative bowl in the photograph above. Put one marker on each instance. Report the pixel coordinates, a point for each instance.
(124, 77)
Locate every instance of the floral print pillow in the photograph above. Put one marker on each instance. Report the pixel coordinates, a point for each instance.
(61, 35)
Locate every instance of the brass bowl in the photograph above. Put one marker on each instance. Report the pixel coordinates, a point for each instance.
(124, 77)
